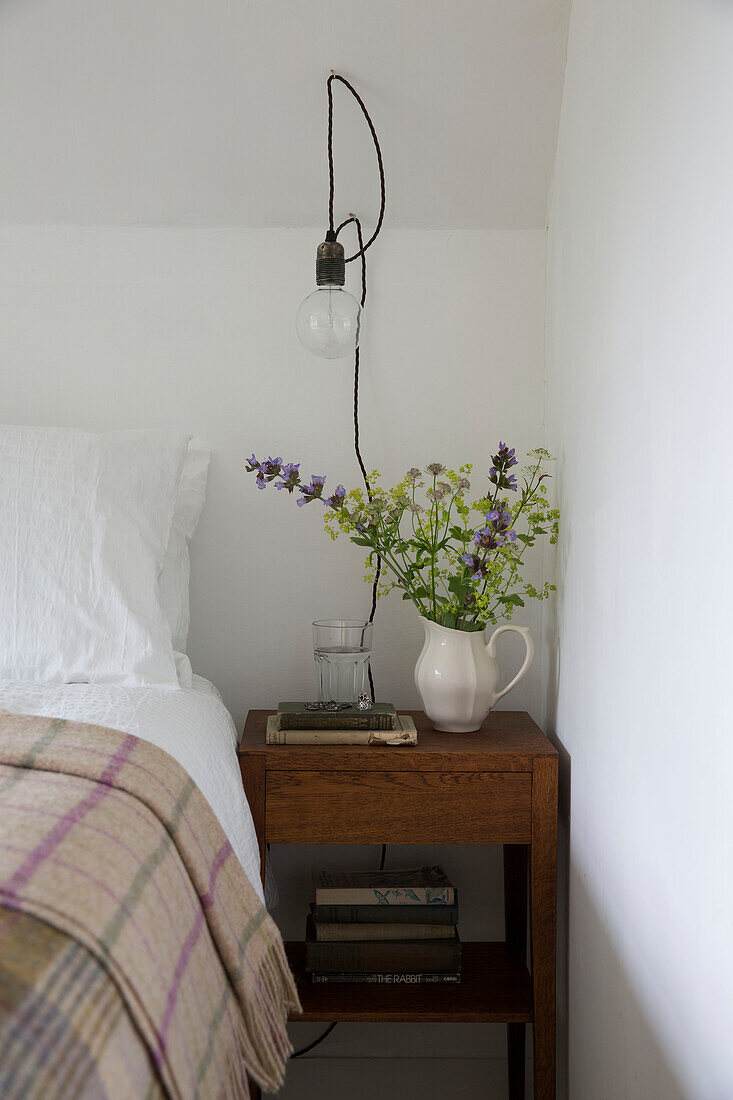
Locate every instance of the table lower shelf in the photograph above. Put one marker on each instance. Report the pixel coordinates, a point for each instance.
(495, 987)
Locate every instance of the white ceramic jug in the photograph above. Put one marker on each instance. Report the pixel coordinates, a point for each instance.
(456, 675)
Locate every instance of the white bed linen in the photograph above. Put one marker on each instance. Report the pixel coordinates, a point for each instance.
(192, 724)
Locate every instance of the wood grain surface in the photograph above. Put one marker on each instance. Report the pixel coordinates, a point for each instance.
(399, 807)
(495, 987)
(508, 741)
(495, 786)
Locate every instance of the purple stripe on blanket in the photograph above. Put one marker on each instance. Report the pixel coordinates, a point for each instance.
(221, 857)
(54, 837)
(15, 904)
(170, 1003)
(149, 774)
(206, 902)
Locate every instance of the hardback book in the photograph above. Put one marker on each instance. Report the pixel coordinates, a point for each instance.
(331, 932)
(376, 977)
(295, 716)
(394, 914)
(404, 734)
(411, 886)
(387, 956)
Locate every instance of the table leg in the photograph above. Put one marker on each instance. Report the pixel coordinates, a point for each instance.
(515, 933)
(253, 780)
(543, 919)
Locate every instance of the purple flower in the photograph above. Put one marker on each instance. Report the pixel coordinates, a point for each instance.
(505, 456)
(476, 565)
(485, 538)
(252, 464)
(435, 468)
(336, 500)
(312, 491)
(497, 531)
(289, 475)
(501, 463)
(266, 471)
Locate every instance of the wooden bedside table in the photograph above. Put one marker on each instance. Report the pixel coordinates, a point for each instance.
(498, 786)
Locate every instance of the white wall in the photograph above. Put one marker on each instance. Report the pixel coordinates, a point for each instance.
(204, 122)
(639, 393)
(212, 112)
(193, 329)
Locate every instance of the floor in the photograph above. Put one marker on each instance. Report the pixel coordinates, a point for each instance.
(321, 1078)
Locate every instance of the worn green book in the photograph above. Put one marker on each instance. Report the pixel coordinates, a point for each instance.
(296, 716)
(380, 914)
(337, 932)
(404, 735)
(389, 956)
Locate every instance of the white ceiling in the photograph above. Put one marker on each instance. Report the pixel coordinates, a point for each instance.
(212, 112)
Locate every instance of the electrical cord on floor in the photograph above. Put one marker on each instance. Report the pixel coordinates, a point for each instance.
(304, 1050)
(359, 254)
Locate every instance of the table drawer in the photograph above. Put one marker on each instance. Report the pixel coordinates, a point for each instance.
(316, 807)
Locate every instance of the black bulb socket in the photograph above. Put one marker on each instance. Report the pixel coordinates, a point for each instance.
(330, 262)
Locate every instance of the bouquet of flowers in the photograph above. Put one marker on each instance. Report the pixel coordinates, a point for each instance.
(458, 571)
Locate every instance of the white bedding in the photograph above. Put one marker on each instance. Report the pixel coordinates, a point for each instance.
(192, 724)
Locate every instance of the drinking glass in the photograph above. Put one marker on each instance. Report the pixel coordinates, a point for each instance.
(342, 649)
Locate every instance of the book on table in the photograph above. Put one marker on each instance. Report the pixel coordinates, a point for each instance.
(296, 716)
(404, 733)
(378, 914)
(329, 931)
(408, 886)
(383, 956)
(378, 977)
(388, 927)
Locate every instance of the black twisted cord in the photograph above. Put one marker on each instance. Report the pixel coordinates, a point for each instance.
(357, 447)
(380, 163)
(361, 253)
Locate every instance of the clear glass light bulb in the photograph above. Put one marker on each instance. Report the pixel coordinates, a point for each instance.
(328, 322)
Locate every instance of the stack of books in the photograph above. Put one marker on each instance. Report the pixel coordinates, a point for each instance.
(295, 724)
(391, 927)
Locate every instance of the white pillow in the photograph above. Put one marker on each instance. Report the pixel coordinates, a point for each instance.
(85, 521)
(176, 574)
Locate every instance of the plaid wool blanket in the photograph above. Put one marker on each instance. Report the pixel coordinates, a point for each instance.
(136, 960)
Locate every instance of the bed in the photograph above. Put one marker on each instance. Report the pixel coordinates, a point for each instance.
(137, 958)
(192, 724)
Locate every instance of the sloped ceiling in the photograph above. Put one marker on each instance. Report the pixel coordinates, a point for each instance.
(212, 112)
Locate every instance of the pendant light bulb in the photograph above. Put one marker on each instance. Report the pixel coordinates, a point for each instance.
(328, 321)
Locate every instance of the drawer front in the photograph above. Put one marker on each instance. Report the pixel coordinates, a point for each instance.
(399, 807)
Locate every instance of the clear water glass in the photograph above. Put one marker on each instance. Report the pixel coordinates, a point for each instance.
(342, 649)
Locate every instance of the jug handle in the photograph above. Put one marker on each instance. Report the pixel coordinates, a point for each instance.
(528, 656)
